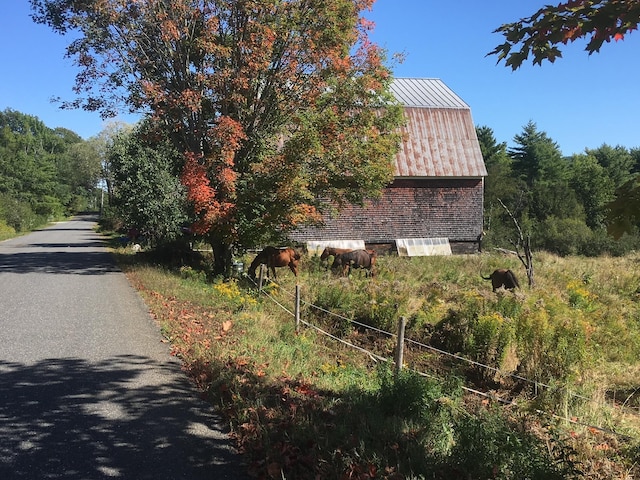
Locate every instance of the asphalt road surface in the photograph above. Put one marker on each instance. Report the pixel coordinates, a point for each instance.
(87, 388)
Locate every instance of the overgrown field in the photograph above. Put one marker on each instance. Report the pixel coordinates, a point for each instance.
(543, 382)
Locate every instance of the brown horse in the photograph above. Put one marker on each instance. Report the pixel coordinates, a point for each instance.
(274, 257)
(332, 252)
(355, 259)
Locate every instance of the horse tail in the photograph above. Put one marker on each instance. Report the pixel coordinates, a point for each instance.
(486, 278)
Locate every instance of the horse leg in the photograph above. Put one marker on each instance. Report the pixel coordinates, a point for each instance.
(294, 268)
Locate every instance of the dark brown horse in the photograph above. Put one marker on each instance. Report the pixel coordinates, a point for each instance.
(332, 252)
(274, 257)
(355, 259)
(502, 277)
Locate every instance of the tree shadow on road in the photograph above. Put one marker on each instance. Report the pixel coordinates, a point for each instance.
(73, 419)
(76, 263)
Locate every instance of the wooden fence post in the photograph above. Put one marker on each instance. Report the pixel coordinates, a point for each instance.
(261, 277)
(297, 309)
(400, 346)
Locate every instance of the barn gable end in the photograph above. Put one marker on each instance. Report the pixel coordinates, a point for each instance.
(438, 189)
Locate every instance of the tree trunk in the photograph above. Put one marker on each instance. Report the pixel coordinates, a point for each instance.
(222, 258)
(527, 259)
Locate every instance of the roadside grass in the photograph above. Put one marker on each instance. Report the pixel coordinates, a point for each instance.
(303, 405)
(6, 231)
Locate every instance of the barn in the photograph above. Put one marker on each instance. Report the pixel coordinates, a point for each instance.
(436, 197)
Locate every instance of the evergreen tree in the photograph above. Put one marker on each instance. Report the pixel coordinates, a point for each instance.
(616, 161)
(499, 182)
(538, 163)
(536, 156)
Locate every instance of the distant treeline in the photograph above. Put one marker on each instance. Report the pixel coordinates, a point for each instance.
(567, 205)
(45, 174)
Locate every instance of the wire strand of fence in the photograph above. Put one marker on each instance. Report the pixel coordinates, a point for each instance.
(355, 322)
(273, 299)
(372, 355)
(513, 403)
(488, 367)
(337, 315)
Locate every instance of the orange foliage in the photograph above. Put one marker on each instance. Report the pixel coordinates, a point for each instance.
(305, 213)
(199, 190)
(214, 206)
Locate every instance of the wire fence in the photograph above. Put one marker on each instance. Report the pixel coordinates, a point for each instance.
(400, 346)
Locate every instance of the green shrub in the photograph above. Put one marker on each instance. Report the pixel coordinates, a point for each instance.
(550, 346)
(406, 394)
(6, 231)
(111, 220)
(18, 215)
(379, 311)
(452, 333)
(333, 296)
(489, 446)
(509, 306)
(334, 300)
(50, 208)
(433, 403)
(564, 236)
(489, 340)
(601, 243)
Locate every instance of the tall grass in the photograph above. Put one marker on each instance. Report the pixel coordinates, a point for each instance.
(304, 405)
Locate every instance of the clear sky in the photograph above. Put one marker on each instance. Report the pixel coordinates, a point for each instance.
(581, 101)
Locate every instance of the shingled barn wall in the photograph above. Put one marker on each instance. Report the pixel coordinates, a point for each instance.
(410, 208)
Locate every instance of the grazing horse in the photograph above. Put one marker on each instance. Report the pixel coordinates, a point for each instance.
(355, 259)
(502, 277)
(333, 252)
(274, 257)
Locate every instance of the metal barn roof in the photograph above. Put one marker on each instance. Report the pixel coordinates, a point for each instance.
(425, 92)
(439, 135)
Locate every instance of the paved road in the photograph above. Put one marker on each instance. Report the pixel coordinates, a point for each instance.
(87, 389)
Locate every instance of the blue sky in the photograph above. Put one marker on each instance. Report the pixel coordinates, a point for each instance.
(581, 101)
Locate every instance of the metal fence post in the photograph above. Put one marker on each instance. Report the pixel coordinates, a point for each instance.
(400, 346)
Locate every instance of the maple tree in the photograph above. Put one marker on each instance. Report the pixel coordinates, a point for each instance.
(542, 33)
(280, 107)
